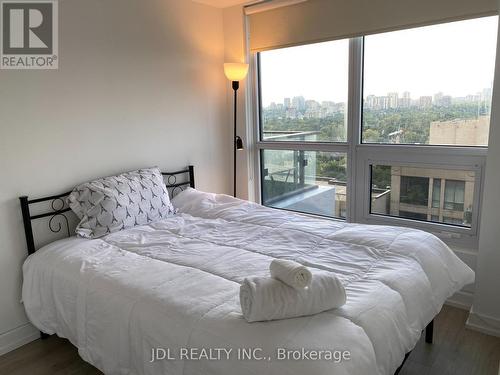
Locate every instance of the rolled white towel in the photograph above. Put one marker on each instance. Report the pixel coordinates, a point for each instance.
(291, 273)
(264, 298)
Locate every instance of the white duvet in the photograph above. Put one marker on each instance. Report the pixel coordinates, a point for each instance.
(174, 285)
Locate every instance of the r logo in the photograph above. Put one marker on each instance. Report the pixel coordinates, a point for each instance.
(28, 29)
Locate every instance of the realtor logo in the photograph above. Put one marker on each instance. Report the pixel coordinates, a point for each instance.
(29, 35)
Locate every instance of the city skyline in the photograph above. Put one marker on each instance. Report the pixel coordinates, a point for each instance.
(438, 98)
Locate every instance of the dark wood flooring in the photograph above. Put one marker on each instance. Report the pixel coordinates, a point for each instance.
(456, 351)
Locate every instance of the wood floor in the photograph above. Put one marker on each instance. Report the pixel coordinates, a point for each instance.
(456, 351)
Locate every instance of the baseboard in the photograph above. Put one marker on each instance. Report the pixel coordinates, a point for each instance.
(461, 299)
(483, 323)
(17, 337)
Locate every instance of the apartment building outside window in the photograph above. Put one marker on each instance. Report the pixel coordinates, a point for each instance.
(415, 193)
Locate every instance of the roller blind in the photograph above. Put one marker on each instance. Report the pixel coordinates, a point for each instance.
(321, 20)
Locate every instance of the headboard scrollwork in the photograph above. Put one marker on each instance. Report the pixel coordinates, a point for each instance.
(59, 215)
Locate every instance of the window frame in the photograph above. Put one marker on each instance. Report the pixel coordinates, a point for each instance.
(324, 146)
(414, 158)
(361, 155)
(261, 186)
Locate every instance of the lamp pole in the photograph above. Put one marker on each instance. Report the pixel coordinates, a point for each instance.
(236, 85)
(235, 72)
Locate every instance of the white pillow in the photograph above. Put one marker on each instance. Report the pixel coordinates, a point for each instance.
(110, 204)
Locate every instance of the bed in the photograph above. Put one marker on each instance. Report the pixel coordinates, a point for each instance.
(170, 290)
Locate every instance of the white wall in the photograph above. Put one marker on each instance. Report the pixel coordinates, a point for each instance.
(139, 83)
(485, 312)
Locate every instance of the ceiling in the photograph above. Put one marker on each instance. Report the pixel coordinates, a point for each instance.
(224, 3)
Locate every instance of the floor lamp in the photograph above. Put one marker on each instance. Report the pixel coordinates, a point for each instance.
(235, 72)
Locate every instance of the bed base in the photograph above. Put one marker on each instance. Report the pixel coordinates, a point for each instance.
(429, 338)
(429, 332)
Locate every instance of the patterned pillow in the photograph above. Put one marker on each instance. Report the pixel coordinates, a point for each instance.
(115, 203)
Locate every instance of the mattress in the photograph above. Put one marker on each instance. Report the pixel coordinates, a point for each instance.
(171, 289)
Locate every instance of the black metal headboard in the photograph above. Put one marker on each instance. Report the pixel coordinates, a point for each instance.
(58, 208)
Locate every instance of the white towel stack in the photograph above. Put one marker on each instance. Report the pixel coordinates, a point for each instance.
(291, 292)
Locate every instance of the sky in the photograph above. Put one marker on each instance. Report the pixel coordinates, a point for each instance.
(456, 58)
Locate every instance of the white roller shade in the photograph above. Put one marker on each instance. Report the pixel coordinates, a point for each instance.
(320, 20)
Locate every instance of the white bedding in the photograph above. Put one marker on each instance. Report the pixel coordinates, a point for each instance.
(175, 284)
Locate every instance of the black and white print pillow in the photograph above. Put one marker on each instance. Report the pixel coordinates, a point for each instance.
(119, 202)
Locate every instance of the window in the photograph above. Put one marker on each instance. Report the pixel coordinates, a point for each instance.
(304, 93)
(303, 128)
(414, 190)
(389, 128)
(430, 85)
(306, 181)
(454, 195)
(404, 191)
(436, 193)
(412, 215)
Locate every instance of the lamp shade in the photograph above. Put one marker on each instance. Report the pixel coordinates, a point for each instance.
(235, 71)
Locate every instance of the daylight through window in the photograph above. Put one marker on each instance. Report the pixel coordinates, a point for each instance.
(336, 117)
